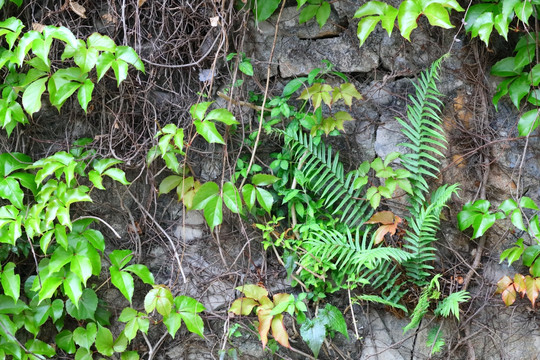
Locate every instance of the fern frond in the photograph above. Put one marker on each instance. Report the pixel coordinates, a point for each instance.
(353, 256)
(424, 133)
(327, 180)
(379, 300)
(422, 233)
(423, 304)
(451, 304)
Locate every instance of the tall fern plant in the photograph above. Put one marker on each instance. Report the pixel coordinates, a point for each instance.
(426, 140)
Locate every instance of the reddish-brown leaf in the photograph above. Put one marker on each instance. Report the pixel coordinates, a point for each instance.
(265, 321)
(503, 284)
(509, 295)
(279, 332)
(532, 289)
(243, 306)
(390, 223)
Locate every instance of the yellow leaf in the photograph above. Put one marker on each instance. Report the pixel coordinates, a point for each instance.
(279, 332)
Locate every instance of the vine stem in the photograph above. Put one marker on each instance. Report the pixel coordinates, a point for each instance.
(267, 86)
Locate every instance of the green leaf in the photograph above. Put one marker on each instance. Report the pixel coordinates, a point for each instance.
(408, 12)
(159, 298)
(95, 238)
(323, 13)
(49, 286)
(10, 162)
(523, 11)
(292, 86)
(120, 258)
(87, 306)
(518, 89)
(129, 355)
(64, 340)
(308, 13)
(231, 197)
(313, 332)
(246, 67)
(11, 282)
(73, 288)
(265, 199)
(438, 15)
(104, 341)
(142, 272)
(31, 98)
(528, 122)
(208, 131)
(10, 190)
(198, 110)
(213, 212)
(530, 255)
(85, 94)
(35, 346)
(221, 115)
(264, 179)
(333, 319)
(505, 68)
(130, 56)
(118, 175)
(82, 267)
(265, 9)
(83, 354)
(123, 282)
(188, 309)
(103, 64)
(85, 58)
(207, 192)
(250, 195)
(120, 69)
(8, 306)
(173, 322)
(169, 183)
(85, 337)
(101, 42)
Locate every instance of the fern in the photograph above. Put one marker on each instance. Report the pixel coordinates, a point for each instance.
(451, 304)
(325, 177)
(379, 300)
(424, 133)
(429, 292)
(422, 233)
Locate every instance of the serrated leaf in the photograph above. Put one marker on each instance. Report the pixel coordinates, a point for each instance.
(198, 110)
(333, 319)
(188, 309)
(87, 306)
(159, 298)
(129, 55)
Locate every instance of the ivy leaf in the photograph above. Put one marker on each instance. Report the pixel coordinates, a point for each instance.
(323, 13)
(123, 282)
(198, 110)
(85, 94)
(103, 64)
(169, 183)
(208, 131)
(313, 332)
(159, 298)
(73, 288)
(10, 190)
(120, 69)
(11, 282)
(120, 258)
(142, 272)
(528, 122)
(118, 175)
(243, 306)
(333, 319)
(205, 194)
(253, 291)
(85, 337)
(35, 346)
(231, 197)
(87, 306)
(31, 98)
(265, 322)
(221, 115)
(85, 58)
(292, 86)
(532, 289)
(307, 13)
(250, 195)
(264, 179)
(265, 199)
(366, 27)
(101, 42)
(173, 322)
(188, 309)
(278, 331)
(438, 16)
(246, 67)
(518, 89)
(129, 55)
(104, 341)
(408, 12)
(64, 340)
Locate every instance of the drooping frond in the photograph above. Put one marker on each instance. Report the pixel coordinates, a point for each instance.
(327, 180)
(425, 135)
(422, 233)
(379, 300)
